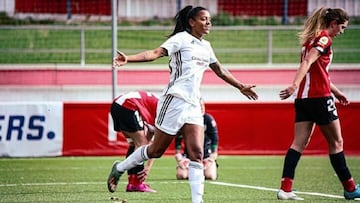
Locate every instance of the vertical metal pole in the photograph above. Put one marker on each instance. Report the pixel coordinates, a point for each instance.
(178, 4)
(269, 48)
(114, 45)
(82, 47)
(68, 9)
(285, 17)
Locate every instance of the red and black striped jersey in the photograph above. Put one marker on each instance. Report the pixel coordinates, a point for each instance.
(316, 82)
(144, 102)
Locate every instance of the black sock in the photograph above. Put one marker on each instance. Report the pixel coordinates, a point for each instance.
(339, 164)
(291, 159)
(130, 150)
(136, 169)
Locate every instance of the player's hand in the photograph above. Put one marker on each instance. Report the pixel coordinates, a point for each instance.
(149, 132)
(342, 98)
(249, 92)
(207, 162)
(142, 175)
(286, 93)
(120, 60)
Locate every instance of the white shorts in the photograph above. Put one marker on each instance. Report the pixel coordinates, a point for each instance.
(173, 112)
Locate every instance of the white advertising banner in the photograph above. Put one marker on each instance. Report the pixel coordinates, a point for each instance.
(31, 129)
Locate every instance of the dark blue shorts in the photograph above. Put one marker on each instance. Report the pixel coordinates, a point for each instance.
(125, 119)
(322, 110)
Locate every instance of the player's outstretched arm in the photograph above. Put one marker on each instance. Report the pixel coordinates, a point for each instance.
(224, 74)
(145, 56)
(305, 64)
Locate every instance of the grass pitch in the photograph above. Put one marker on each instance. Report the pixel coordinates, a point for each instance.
(241, 179)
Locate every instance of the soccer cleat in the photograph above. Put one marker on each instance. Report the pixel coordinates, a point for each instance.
(282, 195)
(129, 187)
(354, 194)
(113, 178)
(139, 188)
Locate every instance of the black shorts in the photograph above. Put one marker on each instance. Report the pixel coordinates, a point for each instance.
(322, 110)
(125, 119)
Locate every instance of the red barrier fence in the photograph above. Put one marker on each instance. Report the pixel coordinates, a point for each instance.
(103, 7)
(244, 128)
(95, 7)
(76, 129)
(262, 7)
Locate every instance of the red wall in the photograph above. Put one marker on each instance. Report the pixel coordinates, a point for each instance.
(267, 128)
(244, 128)
(103, 7)
(85, 130)
(262, 7)
(96, 7)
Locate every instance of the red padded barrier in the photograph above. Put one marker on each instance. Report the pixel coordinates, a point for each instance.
(85, 130)
(268, 128)
(262, 7)
(244, 128)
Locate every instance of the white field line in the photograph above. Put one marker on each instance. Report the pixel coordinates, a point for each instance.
(275, 190)
(175, 182)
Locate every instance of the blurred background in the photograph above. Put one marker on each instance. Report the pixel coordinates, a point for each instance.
(75, 39)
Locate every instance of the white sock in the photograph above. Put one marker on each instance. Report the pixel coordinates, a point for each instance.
(136, 158)
(196, 180)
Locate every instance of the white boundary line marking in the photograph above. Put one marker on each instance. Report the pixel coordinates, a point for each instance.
(275, 190)
(172, 182)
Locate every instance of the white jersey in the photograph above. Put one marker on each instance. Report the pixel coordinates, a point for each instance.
(189, 58)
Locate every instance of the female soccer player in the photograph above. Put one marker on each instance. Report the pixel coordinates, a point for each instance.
(314, 103)
(179, 105)
(133, 114)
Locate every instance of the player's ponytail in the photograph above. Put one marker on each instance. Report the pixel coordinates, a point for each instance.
(321, 20)
(312, 25)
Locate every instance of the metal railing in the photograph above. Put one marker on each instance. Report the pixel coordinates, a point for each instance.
(269, 49)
